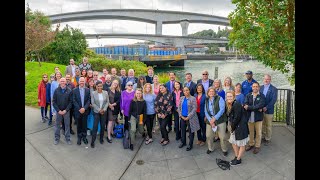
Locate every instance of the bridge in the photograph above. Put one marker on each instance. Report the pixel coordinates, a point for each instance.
(177, 41)
(157, 17)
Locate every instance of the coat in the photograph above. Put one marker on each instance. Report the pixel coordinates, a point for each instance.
(42, 94)
(96, 103)
(238, 121)
(258, 104)
(192, 115)
(271, 98)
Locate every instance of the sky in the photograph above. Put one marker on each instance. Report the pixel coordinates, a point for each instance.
(212, 7)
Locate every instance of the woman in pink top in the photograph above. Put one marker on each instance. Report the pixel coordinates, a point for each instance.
(156, 84)
(176, 94)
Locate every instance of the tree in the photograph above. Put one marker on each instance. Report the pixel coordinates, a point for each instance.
(68, 43)
(266, 30)
(38, 33)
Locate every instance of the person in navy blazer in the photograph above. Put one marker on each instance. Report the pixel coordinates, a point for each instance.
(200, 96)
(205, 81)
(81, 110)
(190, 84)
(271, 94)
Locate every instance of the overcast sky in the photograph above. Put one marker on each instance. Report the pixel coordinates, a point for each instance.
(212, 7)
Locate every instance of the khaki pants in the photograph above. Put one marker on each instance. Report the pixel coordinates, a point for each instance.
(267, 126)
(221, 133)
(256, 126)
(133, 129)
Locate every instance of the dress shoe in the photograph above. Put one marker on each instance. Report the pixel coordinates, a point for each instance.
(113, 135)
(109, 140)
(248, 148)
(101, 141)
(256, 150)
(266, 142)
(79, 141)
(181, 145)
(225, 154)
(71, 132)
(131, 147)
(85, 140)
(92, 145)
(189, 148)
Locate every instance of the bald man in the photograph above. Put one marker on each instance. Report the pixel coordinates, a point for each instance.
(205, 81)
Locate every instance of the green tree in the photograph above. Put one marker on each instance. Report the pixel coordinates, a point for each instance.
(68, 43)
(266, 30)
(38, 33)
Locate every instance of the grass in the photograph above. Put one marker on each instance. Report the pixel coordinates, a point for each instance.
(34, 77)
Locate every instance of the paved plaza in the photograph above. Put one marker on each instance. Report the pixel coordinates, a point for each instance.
(46, 161)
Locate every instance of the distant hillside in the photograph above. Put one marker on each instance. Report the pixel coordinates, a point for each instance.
(211, 33)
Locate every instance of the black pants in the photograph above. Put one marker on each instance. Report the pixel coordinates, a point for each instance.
(201, 133)
(71, 114)
(183, 132)
(126, 122)
(44, 110)
(82, 124)
(177, 127)
(149, 123)
(98, 118)
(163, 125)
(169, 124)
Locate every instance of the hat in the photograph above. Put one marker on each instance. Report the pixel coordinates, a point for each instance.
(249, 72)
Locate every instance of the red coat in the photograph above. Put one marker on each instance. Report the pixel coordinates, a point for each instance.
(42, 94)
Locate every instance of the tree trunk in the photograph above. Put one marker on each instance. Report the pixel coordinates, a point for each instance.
(37, 54)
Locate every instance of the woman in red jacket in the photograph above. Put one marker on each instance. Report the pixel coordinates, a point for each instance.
(42, 97)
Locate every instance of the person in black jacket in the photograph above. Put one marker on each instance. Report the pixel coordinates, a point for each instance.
(238, 126)
(62, 103)
(137, 116)
(253, 103)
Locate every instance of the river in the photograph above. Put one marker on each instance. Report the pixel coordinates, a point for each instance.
(235, 70)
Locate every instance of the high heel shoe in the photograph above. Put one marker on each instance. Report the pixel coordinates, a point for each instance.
(109, 140)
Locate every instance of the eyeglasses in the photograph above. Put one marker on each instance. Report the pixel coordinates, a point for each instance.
(204, 74)
(95, 75)
(130, 85)
(45, 77)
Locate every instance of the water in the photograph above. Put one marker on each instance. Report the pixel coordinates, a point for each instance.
(235, 70)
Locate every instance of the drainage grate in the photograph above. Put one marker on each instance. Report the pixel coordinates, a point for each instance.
(140, 162)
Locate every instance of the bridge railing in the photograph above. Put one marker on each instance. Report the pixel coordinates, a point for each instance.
(284, 109)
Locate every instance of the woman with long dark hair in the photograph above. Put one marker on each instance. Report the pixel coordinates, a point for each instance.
(42, 102)
(200, 96)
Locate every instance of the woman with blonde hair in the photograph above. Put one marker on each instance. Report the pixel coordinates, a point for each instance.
(238, 127)
(149, 97)
(137, 115)
(227, 85)
(114, 107)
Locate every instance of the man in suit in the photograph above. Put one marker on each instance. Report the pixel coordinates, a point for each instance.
(62, 103)
(149, 77)
(71, 69)
(205, 81)
(81, 102)
(170, 83)
(271, 94)
(190, 84)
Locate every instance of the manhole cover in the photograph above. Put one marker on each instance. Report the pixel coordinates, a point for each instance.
(140, 162)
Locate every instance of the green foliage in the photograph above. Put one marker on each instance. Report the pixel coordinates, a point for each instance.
(164, 77)
(34, 77)
(37, 15)
(266, 30)
(212, 34)
(68, 43)
(101, 62)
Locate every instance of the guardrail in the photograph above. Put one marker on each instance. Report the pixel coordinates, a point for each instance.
(284, 109)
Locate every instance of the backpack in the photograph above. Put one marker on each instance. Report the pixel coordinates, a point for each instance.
(118, 131)
(126, 141)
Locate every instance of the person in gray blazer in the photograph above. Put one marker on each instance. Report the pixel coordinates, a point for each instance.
(187, 112)
(71, 69)
(100, 103)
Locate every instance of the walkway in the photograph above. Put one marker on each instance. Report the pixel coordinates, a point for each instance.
(47, 161)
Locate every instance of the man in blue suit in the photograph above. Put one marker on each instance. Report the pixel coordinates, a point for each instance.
(271, 93)
(190, 84)
(81, 102)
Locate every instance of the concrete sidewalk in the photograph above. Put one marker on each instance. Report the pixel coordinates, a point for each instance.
(46, 161)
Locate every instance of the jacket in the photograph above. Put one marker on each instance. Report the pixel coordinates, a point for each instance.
(202, 102)
(192, 115)
(62, 101)
(96, 103)
(192, 87)
(258, 104)
(77, 105)
(175, 106)
(271, 98)
(238, 121)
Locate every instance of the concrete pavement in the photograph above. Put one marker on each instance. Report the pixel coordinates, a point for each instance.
(46, 161)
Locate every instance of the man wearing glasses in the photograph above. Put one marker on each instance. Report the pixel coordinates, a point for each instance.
(205, 81)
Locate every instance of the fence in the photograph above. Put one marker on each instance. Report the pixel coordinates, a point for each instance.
(284, 109)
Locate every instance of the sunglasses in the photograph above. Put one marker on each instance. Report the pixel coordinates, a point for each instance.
(204, 74)
(130, 85)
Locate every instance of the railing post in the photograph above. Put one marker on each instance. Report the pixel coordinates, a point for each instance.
(288, 111)
(215, 72)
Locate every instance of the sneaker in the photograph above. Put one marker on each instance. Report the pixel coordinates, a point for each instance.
(208, 151)
(49, 123)
(43, 120)
(56, 142)
(225, 154)
(69, 142)
(46, 117)
(88, 132)
(235, 162)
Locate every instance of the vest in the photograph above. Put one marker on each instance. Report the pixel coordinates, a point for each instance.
(223, 117)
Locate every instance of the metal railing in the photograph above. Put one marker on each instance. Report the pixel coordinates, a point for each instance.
(284, 109)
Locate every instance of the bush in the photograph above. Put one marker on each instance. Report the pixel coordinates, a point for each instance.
(99, 63)
(34, 77)
(164, 77)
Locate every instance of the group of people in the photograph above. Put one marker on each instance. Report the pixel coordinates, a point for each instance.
(241, 114)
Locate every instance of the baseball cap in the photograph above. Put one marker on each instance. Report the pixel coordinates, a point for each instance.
(249, 72)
